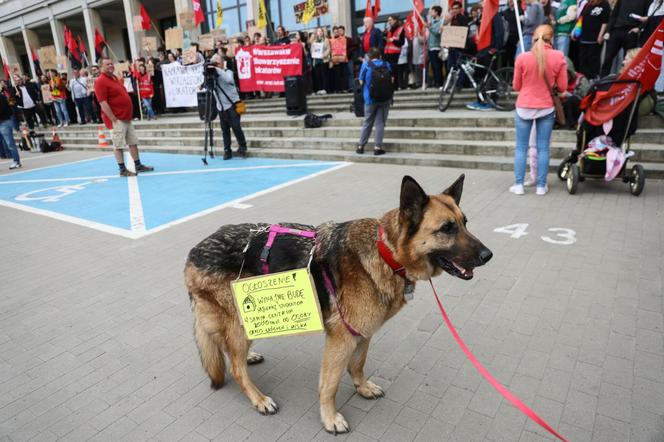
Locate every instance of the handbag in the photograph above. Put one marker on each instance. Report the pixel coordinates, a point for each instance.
(240, 106)
(557, 103)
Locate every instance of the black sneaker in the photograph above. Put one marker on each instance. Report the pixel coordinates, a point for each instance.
(379, 151)
(228, 155)
(127, 172)
(143, 168)
(242, 153)
(359, 150)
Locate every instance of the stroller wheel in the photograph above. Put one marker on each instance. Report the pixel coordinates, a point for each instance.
(638, 180)
(563, 168)
(572, 178)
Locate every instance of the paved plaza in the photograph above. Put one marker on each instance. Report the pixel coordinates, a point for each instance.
(96, 329)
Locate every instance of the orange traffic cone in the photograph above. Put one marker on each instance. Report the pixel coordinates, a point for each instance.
(102, 137)
(54, 134)
(56, 143)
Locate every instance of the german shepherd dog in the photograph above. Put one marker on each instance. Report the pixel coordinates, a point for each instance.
(427, 235)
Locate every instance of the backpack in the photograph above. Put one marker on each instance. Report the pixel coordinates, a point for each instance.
(313, 121)
(381, 89)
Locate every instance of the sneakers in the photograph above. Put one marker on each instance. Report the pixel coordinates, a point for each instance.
(359, 150)
(59, 124)
(228, 155)
(127, 172)
(479, 106)
(143, 168)
(542, 190)
(517, 189)
(529, 182)
(15, 165)
(65, 125)
(242, 153)
(378, 151)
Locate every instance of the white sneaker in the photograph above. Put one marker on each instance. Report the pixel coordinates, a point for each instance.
(542, 190)
(66, 124)
(60, 125)
(14, 165)
(517, 189)
(529, 182)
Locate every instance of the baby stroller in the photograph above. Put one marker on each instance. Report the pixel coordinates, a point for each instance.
(578, 165)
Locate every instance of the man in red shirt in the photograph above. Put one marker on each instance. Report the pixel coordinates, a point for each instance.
(117, 112)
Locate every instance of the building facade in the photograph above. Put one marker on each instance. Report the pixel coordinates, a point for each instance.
(27, 25)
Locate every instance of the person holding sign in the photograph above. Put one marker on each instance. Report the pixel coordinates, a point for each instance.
(227, 97)
(117, 113)
(320, 56)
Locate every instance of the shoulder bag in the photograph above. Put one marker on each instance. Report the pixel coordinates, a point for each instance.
(557, 103)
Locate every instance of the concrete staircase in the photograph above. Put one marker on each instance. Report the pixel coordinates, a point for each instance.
(417, 134)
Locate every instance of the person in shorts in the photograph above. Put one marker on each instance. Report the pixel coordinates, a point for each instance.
(117, 112)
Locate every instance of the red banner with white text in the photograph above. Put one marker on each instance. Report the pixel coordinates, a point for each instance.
(263, 68)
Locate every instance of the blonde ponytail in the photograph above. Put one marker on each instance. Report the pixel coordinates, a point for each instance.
(543, 35)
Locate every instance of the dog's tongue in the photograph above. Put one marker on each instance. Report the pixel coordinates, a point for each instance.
(464, 272)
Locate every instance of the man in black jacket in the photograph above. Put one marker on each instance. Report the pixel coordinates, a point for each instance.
(623, 31)
(27, 98)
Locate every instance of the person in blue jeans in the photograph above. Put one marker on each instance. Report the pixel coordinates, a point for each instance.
(6, 131)
(374, 112)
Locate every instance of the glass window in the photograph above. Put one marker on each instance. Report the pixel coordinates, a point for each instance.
(231, 21)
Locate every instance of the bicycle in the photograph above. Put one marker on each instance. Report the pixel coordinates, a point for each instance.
(494, 88)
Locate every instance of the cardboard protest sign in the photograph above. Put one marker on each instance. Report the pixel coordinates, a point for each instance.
(61, 63)
(189, 55)
(278, 304)
(47, 56)
(206, 42)
(174, 38)
(138, 23)
(90, 84)
(219, 34)
(16, 69)
(187, 20)
(149, 67)
(149, 44)
(46, 93)
(121, 67)
(454, 36)
(251, 30)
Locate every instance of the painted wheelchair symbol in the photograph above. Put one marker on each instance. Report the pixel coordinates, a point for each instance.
(56, 193)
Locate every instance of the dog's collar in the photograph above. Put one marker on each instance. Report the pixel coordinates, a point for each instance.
(388, 256)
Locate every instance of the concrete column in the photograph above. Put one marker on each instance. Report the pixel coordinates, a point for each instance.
(58, 31)
(132, 8)
(90, 32)
(342, 15)
(9, 54)
(31, 41)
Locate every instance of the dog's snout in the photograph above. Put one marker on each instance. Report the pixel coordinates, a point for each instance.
(485, 255)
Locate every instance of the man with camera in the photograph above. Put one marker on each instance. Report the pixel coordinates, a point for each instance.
(227, 98)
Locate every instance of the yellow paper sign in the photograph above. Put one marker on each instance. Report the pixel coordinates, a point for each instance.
(278, 304)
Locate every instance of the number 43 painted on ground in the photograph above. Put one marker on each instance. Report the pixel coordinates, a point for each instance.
(516, 231)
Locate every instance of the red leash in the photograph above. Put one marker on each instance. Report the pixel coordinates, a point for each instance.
(497, 385)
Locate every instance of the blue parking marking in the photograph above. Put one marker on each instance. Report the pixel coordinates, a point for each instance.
(91, 193)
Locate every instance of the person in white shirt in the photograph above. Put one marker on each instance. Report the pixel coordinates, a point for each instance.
(79, 93)
(27, 96)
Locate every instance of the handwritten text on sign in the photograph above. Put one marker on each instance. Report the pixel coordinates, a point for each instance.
(278, 304)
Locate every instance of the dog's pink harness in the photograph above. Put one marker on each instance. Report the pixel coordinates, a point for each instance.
(276, 229)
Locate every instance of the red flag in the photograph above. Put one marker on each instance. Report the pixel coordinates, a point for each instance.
(199, 17)
(376, 10)
(81, 46)
(6, 67)
(414, 25)
(368, 12)
(488, 13)
(72, 46)
(100, 43)
(33, 53)
(66, 31)
(146, 21)
(645, 68)
(418, 5)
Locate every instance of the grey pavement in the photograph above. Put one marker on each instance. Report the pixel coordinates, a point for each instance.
(96, 330)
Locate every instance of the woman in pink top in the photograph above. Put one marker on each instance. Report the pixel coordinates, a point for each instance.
(534, 105)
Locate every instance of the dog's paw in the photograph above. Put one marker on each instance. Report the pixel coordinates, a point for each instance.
(369, 390)
(267, 406)
(336, 425)
(254, 358)
(216, 385)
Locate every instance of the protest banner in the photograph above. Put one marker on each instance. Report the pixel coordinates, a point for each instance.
(61, 63)
(149, 44)
(263, 68)
(454, 36)
(46, 93)
(189, 55)
(278, 304)
(181, 84)
(206, 42)
(322, 8)
(187, 21)
(174, 38)
(47, 56)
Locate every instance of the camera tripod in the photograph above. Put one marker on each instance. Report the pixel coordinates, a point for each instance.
(210, 115)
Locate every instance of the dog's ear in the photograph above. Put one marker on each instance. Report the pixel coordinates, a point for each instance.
(456, 189)
(412, 204)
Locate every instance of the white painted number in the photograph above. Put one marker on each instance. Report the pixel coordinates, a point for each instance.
(514, 230)
(569, 236)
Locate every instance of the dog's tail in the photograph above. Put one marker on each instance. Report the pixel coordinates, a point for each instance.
(212, 357)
